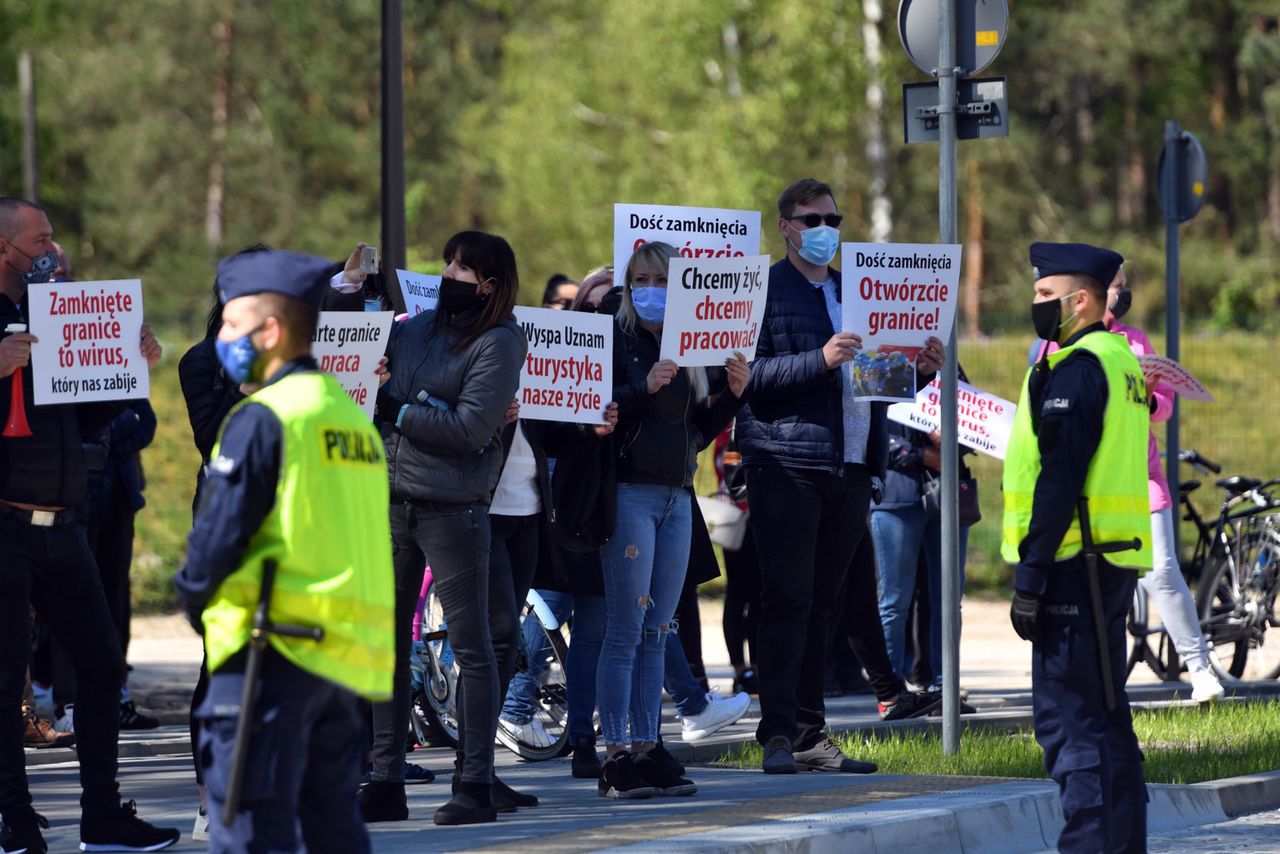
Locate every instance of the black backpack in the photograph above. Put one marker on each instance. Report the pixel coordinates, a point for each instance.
(584, 495)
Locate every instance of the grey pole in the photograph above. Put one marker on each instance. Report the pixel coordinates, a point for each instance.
(393, 247)
(1172, 178)
(950, 452)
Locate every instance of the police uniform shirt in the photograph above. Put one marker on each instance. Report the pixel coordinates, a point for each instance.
(1069, 406)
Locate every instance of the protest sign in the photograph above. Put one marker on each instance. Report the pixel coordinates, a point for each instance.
(349, 345)
(421, 292)
(694, 232)
(568, 374)
(89, 341)
(984, 420)
(714, 309)
(1162, 369)
(896, 296)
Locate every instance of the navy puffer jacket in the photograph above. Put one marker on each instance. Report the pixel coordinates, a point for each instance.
(794, 416)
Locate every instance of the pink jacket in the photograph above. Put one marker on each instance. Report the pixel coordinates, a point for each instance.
(1157, 485)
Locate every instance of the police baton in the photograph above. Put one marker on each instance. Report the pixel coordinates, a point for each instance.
(262, 627)
(1091, 552)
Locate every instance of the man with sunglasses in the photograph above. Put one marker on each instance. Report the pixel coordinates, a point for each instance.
(811, 455)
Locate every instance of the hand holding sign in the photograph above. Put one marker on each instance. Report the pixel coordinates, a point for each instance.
(662, 373)
(841, 348)
(151, 349)
(1162, 369)
(610, 421)
(739, 374)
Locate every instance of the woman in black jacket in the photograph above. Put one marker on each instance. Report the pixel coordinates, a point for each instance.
(666, 415)
(453, 374)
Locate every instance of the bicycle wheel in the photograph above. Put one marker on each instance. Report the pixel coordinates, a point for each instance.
(540, 671)
(440, 670)
(1162, 658)
(1224, 617)
(1237, 603)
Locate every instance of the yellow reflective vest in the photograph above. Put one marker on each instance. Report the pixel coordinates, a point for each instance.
(1116, 484)
(329, 534)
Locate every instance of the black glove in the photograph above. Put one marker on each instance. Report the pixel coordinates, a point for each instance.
(1024, 613)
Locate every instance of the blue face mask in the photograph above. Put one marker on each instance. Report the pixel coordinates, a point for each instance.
(42, 267)
(237, 357)
(818, 245)
(650, 303)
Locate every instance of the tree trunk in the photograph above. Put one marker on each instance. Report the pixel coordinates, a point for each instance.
(213, 222)
(1085, 137)
(877, 150)
(975, 226)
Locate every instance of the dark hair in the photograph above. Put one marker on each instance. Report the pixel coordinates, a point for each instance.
(1096, 289)
(297, 316)
(9, 208)
(553, 284)
(213, 321)
(800, 193)
(490, 256)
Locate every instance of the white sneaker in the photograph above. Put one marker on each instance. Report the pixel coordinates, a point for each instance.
(719, 713)
(533, 733)
(1205, 687)
(200, 830)
(65, 722)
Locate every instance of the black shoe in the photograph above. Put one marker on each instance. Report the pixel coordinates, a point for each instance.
(586, 763)
(965, 709)
(666, 760)
(778, 758)
(417, 774)
(506, 799)
(470, 804)
(661, 777)
(124, 831)
(826, 756)
(24, 837)
(382, 800)
(131, 718)
(746, 681)
(620, 780)
(910, 704)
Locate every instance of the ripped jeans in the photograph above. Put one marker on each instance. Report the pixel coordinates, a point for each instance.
(644, 567)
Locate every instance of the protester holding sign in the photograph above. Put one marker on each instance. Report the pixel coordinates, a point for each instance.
(810, 451)
(454, 373)
(666, 416)
(1164, 583)
(47, 563)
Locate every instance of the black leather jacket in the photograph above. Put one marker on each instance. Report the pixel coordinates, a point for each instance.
(659, 435)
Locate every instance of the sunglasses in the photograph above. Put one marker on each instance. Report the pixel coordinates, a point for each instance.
(813, 220)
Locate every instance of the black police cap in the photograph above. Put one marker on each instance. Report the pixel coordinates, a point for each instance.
(292, 274)
(1056, 259)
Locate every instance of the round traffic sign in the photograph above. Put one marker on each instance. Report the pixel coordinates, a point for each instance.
(981, 26)
(1191, 179)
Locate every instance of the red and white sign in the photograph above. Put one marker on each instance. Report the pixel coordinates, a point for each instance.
(1162, 369)
(694, 232)
(568, 372)
(89, 346)
(349, 345)
(984, 419)
(714, 309)
(421, 292)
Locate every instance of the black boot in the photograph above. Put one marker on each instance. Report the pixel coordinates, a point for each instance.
(506, 799)
(382, 800)
(470, 804)
(586, 762)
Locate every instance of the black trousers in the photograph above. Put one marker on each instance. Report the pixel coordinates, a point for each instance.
(52, 569)
(513, 558)
(742, 599)
(807, 525)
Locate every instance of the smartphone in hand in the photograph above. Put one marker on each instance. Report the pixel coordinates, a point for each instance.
(369, 259)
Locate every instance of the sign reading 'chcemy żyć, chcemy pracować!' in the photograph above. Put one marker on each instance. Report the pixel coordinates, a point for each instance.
(896, 296)
(714, 309)
(694, 232)
(89, 341)
(349, 345)
(568, 372)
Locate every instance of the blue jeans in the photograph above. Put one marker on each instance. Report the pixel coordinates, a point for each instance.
(644, 567)
(580, 666)
(684, 689)
(900, 534)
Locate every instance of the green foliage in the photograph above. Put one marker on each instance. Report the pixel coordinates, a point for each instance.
(1181, 744)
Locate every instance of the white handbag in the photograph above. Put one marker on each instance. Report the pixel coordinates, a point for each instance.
(726, 522)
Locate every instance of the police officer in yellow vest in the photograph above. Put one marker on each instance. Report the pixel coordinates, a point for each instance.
(1080, 432)
(299, 479)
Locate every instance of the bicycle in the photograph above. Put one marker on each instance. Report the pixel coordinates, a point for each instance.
(540, 658)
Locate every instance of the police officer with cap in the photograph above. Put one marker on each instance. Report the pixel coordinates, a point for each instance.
(297, 491)
(1075, 488)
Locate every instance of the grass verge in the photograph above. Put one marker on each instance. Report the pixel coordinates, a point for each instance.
(1182, 745)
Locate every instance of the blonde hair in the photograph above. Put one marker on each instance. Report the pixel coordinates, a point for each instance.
(654, 257)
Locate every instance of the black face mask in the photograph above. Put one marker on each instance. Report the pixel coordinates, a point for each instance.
(458, 298)
(1046, 317)
(1123, 301)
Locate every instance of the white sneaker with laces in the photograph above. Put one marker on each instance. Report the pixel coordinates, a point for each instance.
(1205, 687)
(719, 713)
(532, 733)
(65, 722)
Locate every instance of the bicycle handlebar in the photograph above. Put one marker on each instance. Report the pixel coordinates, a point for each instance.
(1192, 457)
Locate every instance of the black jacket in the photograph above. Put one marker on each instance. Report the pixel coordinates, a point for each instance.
(660, 435)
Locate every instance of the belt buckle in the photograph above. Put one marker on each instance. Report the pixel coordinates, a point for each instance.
(43, 518)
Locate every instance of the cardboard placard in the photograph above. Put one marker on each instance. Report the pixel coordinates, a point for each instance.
(349, 345)
(1162, 369)
(89, 346)
(714, 309)
(984, 420)
(896, 296)
(694, 232)
(568, 373)
(421, 291)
